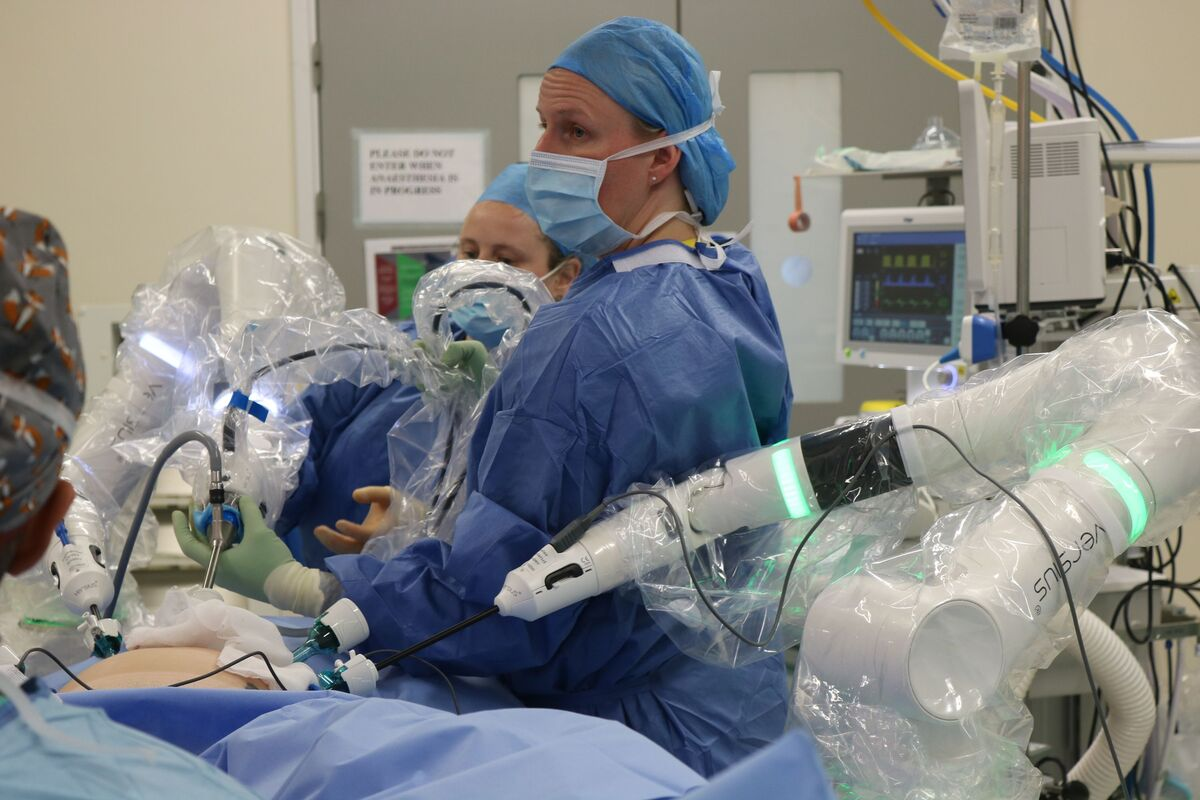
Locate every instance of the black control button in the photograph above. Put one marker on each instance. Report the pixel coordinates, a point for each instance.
(569, 571)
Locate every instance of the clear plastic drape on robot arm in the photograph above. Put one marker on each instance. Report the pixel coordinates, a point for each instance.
(427, 447)
(908, 651)
(1018, 416)
(743, 575)
(905, 666)
(248, 398)
(209, 285)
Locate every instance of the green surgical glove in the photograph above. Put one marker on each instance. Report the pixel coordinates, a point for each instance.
(468, 357)
(461, 369)
(244, 567)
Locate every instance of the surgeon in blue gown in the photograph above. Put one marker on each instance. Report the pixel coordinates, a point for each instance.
(666, 353)
(348, 442)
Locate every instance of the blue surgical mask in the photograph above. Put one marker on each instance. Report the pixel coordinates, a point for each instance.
(564, 192)
(475, 322)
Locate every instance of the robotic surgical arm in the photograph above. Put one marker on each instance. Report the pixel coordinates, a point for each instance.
(1008, 422)
(906, 657)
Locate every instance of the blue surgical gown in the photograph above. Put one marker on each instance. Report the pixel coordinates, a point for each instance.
(638, 373)
(132, 764)
(347, 448)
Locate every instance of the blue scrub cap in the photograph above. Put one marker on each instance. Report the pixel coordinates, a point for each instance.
(509, 188)
(41, 373)
(653, 73)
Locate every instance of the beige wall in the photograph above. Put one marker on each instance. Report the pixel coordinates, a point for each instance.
(133, 123)
(1142, 56)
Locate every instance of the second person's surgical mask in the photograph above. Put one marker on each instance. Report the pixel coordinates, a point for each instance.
(476, 322)
(564, 193)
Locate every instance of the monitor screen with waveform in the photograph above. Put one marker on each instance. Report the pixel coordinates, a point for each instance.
(908, 286)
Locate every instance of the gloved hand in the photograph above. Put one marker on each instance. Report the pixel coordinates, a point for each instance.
(389, 509)
(468, 357)
(243, 568)
(461, 369)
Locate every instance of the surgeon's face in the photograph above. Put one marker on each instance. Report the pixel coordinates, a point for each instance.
(581, 120)
(496, 231)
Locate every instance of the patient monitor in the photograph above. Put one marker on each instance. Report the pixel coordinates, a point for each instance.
(903, 285)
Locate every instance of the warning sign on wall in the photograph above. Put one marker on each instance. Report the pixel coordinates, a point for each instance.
(418, 177)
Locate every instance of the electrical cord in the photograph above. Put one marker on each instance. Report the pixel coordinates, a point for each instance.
(444, 677)
(1151, 272)
(1057, 561)
(56, 660)
(1062, 768)
(1173, 269)
(398, 655)
(1149, 641)
(217, 671)
(1133, 246)
(234, 663)
(1089, 94)
(941, 67)
(1147, 173)
(1171, 564)
(291, 632)
(214, 457)
(1141, 276)
(1062, 574)
(787, 578)
(1144, 271)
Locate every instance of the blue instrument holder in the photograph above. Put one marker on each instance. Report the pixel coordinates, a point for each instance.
(201, 519)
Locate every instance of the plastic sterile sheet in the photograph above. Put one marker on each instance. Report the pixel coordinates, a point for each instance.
(1183, 755)
(184, 620)
(906, 663)
(250, 396)
(211, 285)
(743, 575)
(908, 645)
(428, 480)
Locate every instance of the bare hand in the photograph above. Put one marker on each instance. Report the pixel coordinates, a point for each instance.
(388, 508)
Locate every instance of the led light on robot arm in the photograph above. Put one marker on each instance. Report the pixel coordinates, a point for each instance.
(791, 480)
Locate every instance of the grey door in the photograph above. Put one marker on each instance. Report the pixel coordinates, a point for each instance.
(432, 64)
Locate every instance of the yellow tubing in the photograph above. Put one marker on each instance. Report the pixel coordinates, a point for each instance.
(945, 69)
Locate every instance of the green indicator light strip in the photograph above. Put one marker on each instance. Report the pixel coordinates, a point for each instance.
(1052, 457)
(1112, 472)
(789, 483)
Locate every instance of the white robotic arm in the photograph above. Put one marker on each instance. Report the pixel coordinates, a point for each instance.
(939, 646)
(1109, 372)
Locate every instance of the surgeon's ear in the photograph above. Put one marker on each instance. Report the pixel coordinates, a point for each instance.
(666, 161)
(561, 281)
(34, 536)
